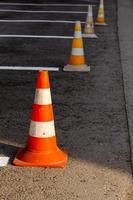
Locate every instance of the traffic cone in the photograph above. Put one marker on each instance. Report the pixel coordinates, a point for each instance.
(101, 16)
(41, 149)
(89, 26)
(77, 59)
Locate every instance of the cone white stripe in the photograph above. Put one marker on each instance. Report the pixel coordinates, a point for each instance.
(101, 15)
(77, 34)
(78, 23)
(101, 6)
(43, 97)
(89, 14)
(77, 51)
(90, 11)
(42, 129)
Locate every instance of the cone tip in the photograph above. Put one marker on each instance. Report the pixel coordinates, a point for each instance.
(44, 72)
(43, 79)
(78, 26)
(77, 22)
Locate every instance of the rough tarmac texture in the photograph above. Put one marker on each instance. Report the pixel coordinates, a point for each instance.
(125, 35)
(90, 118)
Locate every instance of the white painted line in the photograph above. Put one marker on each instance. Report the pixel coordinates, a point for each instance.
(20, 68)
(38, 21)
(44, 4)
(36, 36)
(4, 161)
(43, 11)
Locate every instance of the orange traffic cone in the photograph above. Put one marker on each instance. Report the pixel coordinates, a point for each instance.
(77, 59)
(89, 26)
(101, 16)
(41, 149)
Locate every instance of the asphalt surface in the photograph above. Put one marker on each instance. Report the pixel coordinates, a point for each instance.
(126, 49)
(90, 113)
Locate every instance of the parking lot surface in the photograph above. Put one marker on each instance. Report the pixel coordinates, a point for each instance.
(90, 115)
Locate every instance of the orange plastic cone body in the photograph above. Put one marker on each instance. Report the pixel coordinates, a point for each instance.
(101, 16)
(77, 44)
(77, 59)
(41, 149)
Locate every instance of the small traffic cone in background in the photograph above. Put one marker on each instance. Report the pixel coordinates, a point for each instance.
(77, 59)
(89, 26)
(41, 149)
(101, 16)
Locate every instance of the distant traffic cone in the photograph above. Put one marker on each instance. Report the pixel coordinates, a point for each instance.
(77, 59)
(89, 26)
(41, 149)
(101, 16)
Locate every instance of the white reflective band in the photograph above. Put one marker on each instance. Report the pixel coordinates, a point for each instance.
(77, 34)
(89, 14)
(101, 6)
(77, 51)
(90, 11)
(101, 15)
(42, 129)
(43, 97)
(78, 23)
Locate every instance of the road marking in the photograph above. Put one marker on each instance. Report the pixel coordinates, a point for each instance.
(36, 36)
(28, 68)
(38, 21)
(43, 11)
(32, 4)
(4, 161)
